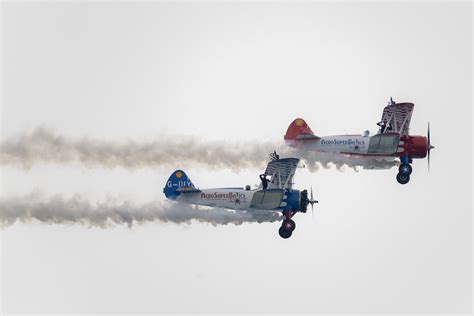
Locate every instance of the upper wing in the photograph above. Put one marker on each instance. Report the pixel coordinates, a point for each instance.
(396, 118)
(282, 172)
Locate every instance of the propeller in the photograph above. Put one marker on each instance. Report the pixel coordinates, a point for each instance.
(312, 201)
(429, 146)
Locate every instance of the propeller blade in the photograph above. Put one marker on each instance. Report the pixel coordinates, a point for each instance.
(429, 146)
(429, 161)
(312, 204)
(429, 140)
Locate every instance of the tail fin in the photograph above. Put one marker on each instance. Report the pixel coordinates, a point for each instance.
(177, 182)
(299, 130)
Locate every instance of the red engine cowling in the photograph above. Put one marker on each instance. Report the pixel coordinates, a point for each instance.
(415, 146)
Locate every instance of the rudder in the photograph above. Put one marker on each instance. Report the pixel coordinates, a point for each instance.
(178, 179)
(299, 130)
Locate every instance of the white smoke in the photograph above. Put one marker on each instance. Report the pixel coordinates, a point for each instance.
(44, 146)
(315, 159)
(78, 210)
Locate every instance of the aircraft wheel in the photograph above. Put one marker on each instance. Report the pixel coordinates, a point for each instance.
(289, 224)
(405, 168)
(284, 233)
(403, 178)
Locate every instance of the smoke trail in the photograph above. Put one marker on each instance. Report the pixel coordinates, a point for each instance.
(44, 146)
(78, 210)
(315, 160)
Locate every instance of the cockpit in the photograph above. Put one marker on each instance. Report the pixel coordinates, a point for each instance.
(384, 143)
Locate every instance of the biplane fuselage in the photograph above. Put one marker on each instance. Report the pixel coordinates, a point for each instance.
(379, 145)
(241, 199)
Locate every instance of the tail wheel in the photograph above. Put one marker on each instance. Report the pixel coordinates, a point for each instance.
(289, 224)
(403, 178)
(405, 168)
(284, 233)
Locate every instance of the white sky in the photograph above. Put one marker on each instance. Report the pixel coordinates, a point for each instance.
(241, 71)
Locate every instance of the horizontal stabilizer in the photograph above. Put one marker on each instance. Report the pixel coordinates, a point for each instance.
(307, 137)
(187, 190)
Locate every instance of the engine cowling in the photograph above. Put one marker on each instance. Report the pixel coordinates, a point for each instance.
(415, 146)
(296, 200)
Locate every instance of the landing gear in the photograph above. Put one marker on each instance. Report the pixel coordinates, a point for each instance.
(405, 168)
(284, 233)
(403, 178)
(288, 225)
